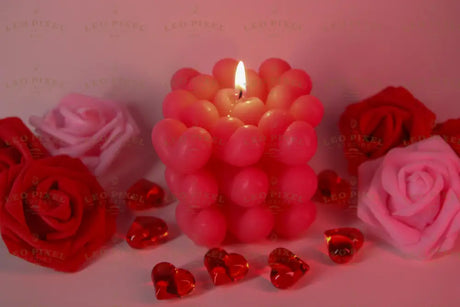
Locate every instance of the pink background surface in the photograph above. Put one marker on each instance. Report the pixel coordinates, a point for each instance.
(128, 50)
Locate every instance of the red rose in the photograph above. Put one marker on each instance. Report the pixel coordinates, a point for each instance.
(56, 214)
(17, 146)
(389, 119)
(450, 131)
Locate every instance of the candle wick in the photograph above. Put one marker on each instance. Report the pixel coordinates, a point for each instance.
(240, 94)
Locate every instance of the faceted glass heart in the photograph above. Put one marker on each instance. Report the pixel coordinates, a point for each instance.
(225, 268)
(332, 189)
(146, 231)
(286, 267)
(144, 194)
(171, 282)
(343, 243)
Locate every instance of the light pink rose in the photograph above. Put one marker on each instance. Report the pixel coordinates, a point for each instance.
(88, 128)
(411, 197)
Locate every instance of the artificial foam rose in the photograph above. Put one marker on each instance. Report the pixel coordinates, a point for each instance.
(56, 214)
(450, 132)
(17, 146)
(411, 197)
(88, 128)
(386, 120)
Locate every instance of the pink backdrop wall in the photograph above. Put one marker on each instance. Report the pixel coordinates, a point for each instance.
(128, 50)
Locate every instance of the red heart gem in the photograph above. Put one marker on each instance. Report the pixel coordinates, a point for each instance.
(343, 243)
(332, 189)
(225, 268)
(171, 282)
(144, 194)
(286, 267)
(146, 231)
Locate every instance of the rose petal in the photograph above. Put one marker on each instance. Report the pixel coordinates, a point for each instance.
(386, 124)
(60, 207)
(372, 207)
(432, 237)
(418, 184)
(430, 198)
(424, 215)
(51, 131)
(398, 163)
(15, 209)
(451, 235)
(76, 124)
(110, 153)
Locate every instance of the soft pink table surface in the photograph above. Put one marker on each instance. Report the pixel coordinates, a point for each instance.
(128, 50)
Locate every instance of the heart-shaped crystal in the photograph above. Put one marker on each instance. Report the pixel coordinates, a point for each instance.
(343, 243)
(144, 194)
(225, 268)
(286, 267)
(333, 189)
(146, 231)
(171, 282)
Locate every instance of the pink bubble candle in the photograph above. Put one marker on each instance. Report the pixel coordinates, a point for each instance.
(236, 146)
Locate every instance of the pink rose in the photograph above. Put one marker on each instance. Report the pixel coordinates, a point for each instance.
(88, 128)
(411, 197)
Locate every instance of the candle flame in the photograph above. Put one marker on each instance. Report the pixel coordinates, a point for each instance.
(240, 79)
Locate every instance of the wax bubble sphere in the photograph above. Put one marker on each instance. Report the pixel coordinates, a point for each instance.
(237, 160)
